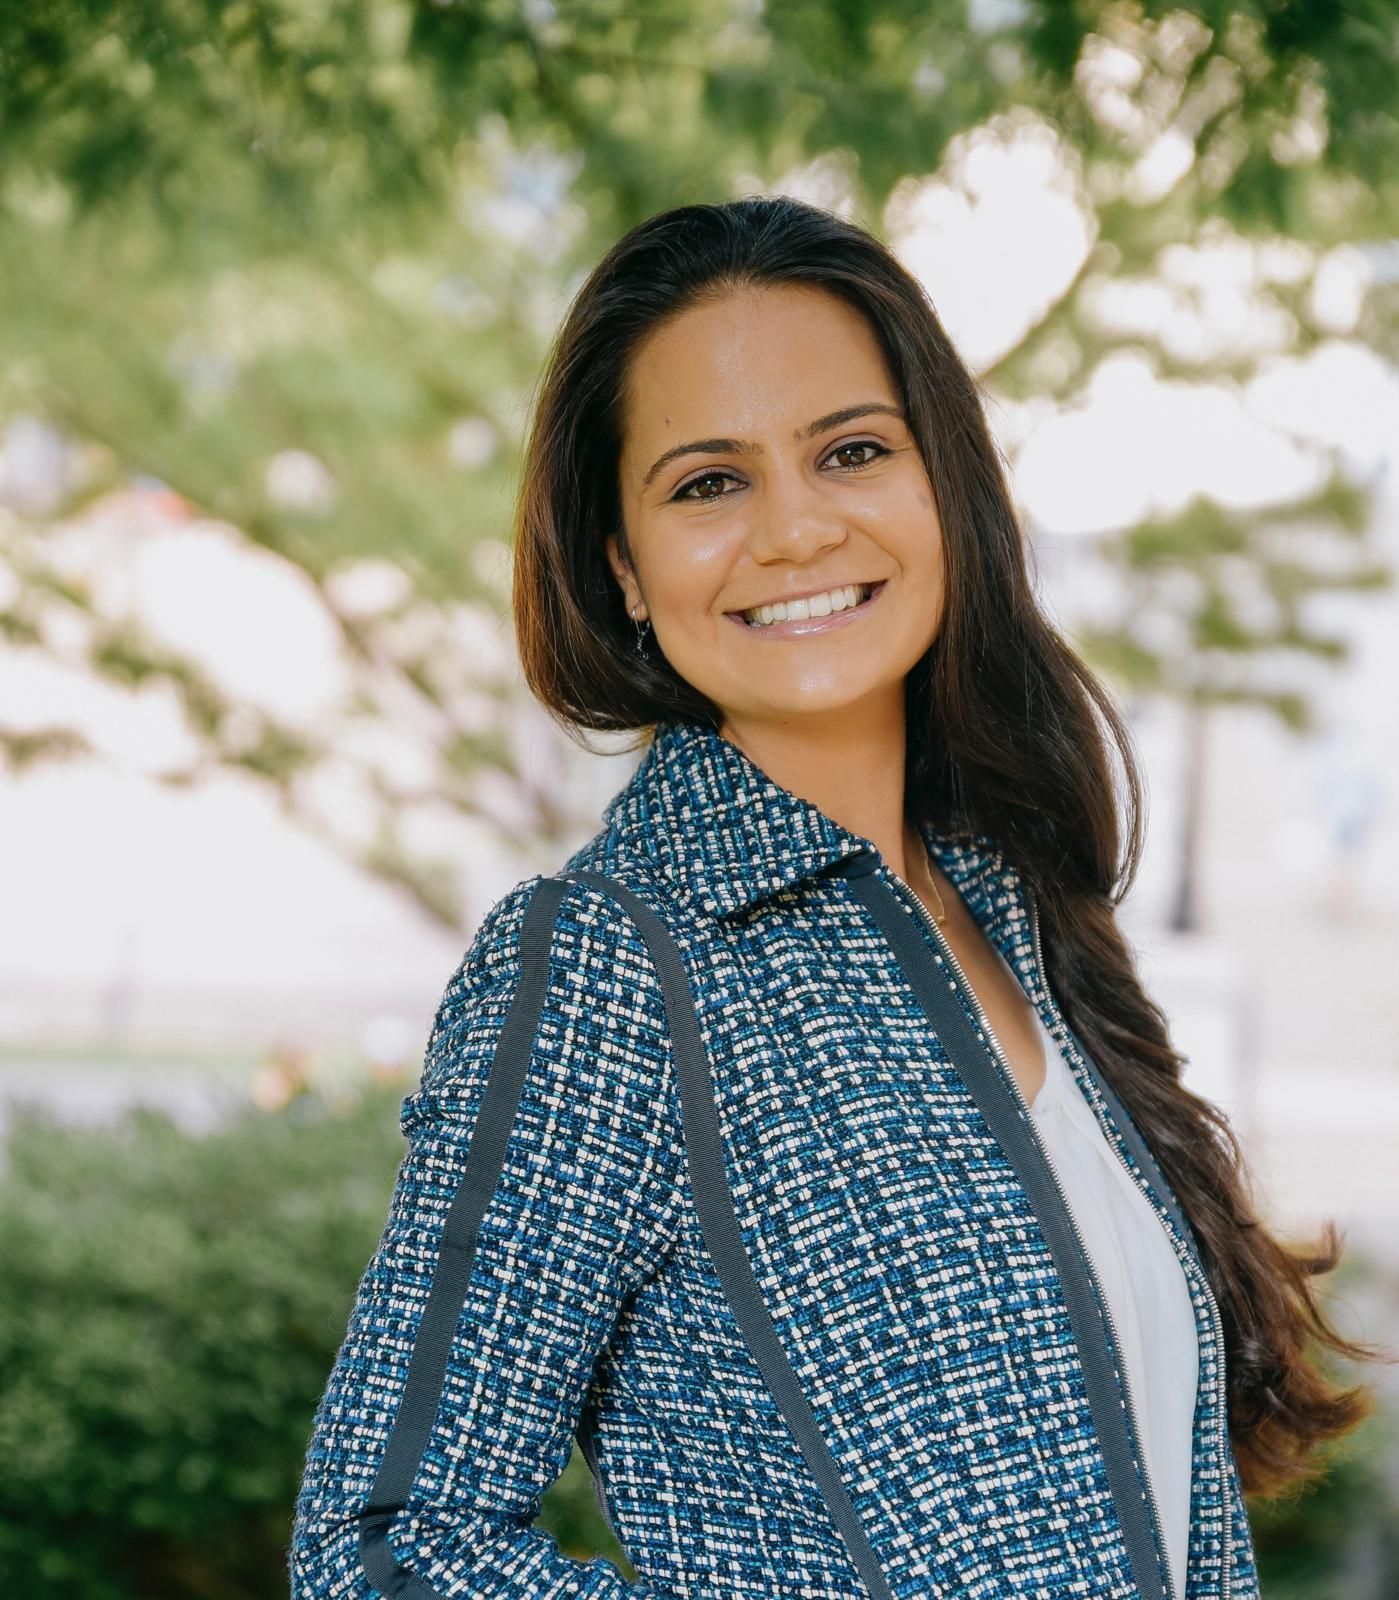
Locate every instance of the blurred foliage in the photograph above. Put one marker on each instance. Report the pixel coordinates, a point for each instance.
(170, 1307)
(301, 263)
(1226, 589)
(1339, 1538)
(1339, 1535)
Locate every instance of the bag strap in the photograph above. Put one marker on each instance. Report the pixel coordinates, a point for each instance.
(704, 1155)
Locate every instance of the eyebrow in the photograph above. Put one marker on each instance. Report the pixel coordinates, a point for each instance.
(746, 447)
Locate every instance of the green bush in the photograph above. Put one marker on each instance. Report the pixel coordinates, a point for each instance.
(1339, 1536)
(1330, 1540)
(170, 1307)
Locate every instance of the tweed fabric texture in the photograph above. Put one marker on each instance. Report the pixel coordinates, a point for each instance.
(894, 1245)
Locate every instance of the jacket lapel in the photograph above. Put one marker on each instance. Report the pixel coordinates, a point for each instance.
(730, 835)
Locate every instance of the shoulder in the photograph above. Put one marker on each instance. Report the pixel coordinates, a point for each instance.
(549, 1076)
(570, 956)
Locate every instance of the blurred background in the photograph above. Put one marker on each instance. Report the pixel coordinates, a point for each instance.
(277, 278)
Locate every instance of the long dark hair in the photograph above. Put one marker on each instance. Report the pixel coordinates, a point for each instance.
(1009, 734)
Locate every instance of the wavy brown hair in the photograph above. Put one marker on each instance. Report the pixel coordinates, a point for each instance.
(1009, 734)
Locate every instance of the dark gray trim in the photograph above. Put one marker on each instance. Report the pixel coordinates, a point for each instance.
(704, 1154)
(936, 988)
(427, 1367)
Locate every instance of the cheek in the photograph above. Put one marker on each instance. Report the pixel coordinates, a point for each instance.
(914, 538)
(697, 575)
(905, 506)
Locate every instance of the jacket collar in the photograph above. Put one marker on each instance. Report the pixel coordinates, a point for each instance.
(719, 826)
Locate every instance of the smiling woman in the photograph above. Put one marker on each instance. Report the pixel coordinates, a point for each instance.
(724, 1162)
(816, 488)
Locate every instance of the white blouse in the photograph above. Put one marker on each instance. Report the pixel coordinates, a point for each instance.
(1144, 1284)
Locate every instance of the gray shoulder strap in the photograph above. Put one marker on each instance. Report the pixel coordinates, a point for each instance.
(427, 1367)
(719, 1222)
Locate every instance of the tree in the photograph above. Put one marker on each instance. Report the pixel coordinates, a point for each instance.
(299, 264)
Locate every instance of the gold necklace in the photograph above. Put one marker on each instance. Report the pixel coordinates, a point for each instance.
(925, 866)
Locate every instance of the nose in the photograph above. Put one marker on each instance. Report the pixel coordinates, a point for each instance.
(795, 522)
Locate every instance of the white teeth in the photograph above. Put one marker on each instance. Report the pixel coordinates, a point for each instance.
(816, 605)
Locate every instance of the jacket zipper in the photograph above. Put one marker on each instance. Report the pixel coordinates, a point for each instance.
(1221, 1385)
(1118, 1362)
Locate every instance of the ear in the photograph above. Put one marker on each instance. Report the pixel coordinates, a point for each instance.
(626, 578)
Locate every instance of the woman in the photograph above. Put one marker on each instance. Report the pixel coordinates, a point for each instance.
(808, 1146)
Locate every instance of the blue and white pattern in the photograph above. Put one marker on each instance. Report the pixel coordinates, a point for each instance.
(895, 1246)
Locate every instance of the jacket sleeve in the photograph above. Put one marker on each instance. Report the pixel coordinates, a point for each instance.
(538, 1190)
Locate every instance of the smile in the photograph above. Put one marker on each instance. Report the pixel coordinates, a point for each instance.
(799, 626)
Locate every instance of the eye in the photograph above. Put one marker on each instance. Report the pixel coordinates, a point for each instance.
(717, 475)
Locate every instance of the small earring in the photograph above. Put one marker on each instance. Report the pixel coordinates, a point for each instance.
(640, 646)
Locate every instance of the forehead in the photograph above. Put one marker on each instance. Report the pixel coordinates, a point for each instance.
(754, 358)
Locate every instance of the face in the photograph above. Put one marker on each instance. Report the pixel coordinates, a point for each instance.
(765, 458)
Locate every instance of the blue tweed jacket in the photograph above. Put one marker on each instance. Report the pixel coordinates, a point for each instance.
(715, 1166)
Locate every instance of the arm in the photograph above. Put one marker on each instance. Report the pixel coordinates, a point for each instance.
(454, 1398)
